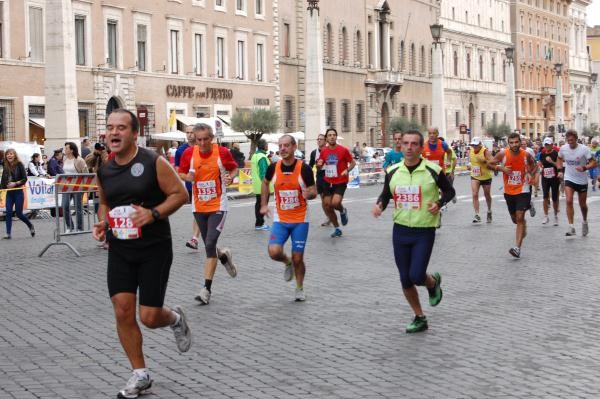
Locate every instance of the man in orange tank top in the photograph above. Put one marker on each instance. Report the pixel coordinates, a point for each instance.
(210, 168)
(294, 184)
(518, 166)
(436, 150)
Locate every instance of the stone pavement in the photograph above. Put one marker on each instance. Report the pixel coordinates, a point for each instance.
(506, 328)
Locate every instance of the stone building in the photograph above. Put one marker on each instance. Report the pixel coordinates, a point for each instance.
(579, 65)
(197, 57)
(593, 45)
(540, 34)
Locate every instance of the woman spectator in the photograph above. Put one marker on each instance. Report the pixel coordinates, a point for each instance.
(35, 167)
(13, 179)
(73, 164)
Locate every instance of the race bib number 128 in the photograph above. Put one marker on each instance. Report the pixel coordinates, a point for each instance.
(121, 224)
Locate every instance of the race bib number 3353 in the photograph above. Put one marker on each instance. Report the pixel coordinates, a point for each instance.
(206, 190)
(408, 197)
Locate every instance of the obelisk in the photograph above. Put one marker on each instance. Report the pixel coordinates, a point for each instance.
(61, 84)
(315, 89)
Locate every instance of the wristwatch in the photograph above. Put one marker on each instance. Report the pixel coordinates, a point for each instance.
(155, 214)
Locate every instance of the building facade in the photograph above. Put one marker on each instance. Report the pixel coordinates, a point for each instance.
(474, 40)
(195, 57)
(579, 65)
(593, 44)
(376, 65)
(540, 34)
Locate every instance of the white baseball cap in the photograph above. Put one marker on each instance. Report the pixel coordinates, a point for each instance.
(475, 141)
(548, 140)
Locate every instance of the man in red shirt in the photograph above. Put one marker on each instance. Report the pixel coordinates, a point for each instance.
(337, 162)
(210, 168)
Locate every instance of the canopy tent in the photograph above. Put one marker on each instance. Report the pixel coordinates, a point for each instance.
(177, 135)
(229, 136)
(299, 136)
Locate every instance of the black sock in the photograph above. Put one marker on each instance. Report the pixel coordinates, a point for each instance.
(207, 284)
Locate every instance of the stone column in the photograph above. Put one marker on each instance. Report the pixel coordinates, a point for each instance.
(511, 109)
(385, 37)
(61, 83)
(315, 90)
(438, 113)
(558, 105)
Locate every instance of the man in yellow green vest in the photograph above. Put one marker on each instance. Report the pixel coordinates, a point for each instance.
(481, 176)
(259, 163)
(415, 184)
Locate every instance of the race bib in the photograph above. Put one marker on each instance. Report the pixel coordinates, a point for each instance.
(515, 178)
(331, 170)
(408, 197)
(206, 190)
(548, 173)
(288, 199)
(121, 224)
(476, 171)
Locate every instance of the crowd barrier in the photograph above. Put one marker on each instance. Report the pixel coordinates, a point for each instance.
(78, 188)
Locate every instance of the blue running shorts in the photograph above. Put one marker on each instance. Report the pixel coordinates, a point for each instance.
(280, 232)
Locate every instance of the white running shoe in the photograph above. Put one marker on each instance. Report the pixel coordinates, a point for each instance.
(135, 387)
(300, 295)
(224, 256)
(203, 296)
(531, 209)
(546, 220)
(288, 273)
(555, 220)
(571, 232)
(585, 229)
(183, 335)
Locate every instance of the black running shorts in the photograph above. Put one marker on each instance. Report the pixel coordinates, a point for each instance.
(146, 270)
(579, 188)
(518, 202)
(331, 189)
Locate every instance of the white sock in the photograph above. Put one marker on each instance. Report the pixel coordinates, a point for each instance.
(141, 373)
(571, 226)
(177, 319)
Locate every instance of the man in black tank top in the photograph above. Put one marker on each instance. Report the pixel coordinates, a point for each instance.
(138, 191)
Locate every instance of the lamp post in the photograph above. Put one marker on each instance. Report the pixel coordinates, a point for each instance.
(595, 118)
(511, 109)
(438, 117)
(558, 102)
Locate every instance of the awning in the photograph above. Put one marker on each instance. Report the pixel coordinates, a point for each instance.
(177, 135)
(229, 136)
(39, 122)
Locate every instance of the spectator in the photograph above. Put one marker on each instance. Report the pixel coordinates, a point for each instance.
(356, 151)
(97, 158)
(172, 152)
(13, 178)
(238, 156)
(35, 167)
(55, 163)
(86, 148)
(73, 164)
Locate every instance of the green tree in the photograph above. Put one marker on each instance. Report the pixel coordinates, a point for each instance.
(497, 131)
(588, 132)
(254, 123)
(401, 124)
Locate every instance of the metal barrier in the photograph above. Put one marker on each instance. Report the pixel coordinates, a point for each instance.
(77, 187)
(372, 171)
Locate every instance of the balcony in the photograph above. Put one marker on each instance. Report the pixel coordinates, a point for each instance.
(548, 91)
(385, 78)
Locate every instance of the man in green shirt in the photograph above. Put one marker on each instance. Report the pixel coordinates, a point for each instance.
(260, 163)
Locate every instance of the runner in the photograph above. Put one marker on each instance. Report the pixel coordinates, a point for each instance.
(436, 149)
(595, 172)
(320, 175)
(191, 141)
(259, 163)
(481, 176)
(138, 190)
(294, 184)
(210, 168)
(574, 160)
(396, 155)
(533, 179)
(337, 162)
(450, 163)
(550, 180)
(414, 184)
(518, 166)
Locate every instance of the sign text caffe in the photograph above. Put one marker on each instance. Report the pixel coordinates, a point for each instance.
(209, 93)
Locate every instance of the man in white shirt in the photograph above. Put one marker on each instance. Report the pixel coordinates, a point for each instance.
(574, 160)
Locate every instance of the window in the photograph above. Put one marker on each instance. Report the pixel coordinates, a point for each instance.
(345, 116)
(240, 5)
(7, 128)
(502, 25)
(329, 43)
(258, 7)
(392, 54)
(36, 34)
(481, 67)
(141, 47)
(3, 123)
(220, 57)
(198, 51)
(330, 113)
(483, 119)
(493, 69)
(80, 39)
(241, 60)
(83, 122)
(174, 51)
(491, 23)
(358, 56)
(286, 40)
(455, 59)
(504, 72)
(370, 49)
(453, 16)
(1, 31)
(413, 59)
(466, 17)
(219, 3)
(260, 62)
(423, 60)
(360, 125)
(478, 20)
(111, 37)
(402, 56)
(468, 65)
(288, 109)
(345, 57)
(456, 118)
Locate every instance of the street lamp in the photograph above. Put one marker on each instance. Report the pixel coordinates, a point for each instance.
(511, 106)
(436, 32)
(509, 51)
(594, 78)
(558, 103)
(558, 69)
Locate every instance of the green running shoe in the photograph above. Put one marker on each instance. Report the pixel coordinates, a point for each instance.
(435, 294)
(418, 324)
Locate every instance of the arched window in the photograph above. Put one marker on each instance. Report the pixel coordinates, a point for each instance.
(481, 67)
(455, 59)
(402, 56)
(413, 59)
(468, 65)
(493, 69)
(344, 47)
(329, 43)
(358, 55)
(423, 61)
